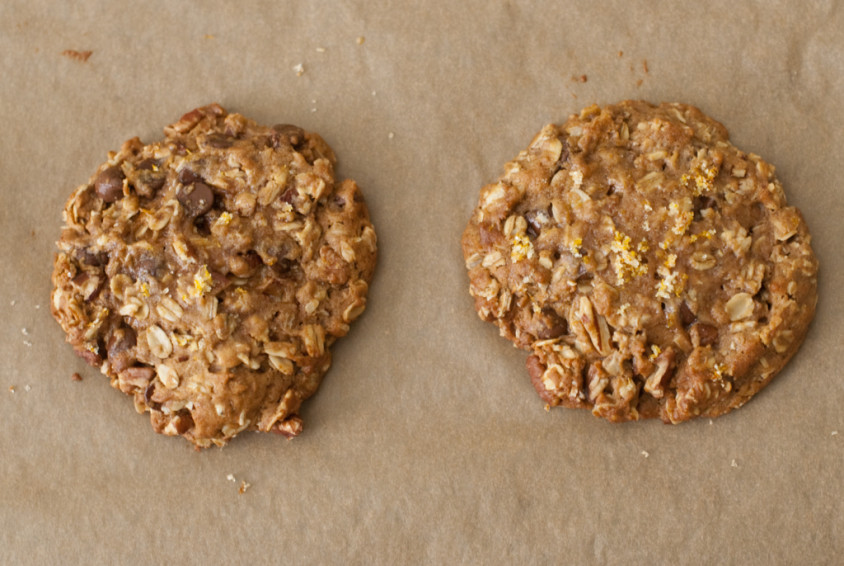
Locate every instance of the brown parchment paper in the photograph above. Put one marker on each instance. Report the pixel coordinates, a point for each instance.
(426, 443)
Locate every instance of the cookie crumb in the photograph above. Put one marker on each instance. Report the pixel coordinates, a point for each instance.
(579, 78)
(75, 376)
(391, 135)
(320, 49)
(230, 477)
(24, 331)
(77, 55)
(834, 433)
(37, 307)
(12, 302)
(299, 69)
(27, 388)
(733, 463)
(360, 40)
(621, 53)
(243, 487)
(27, 343)
(209, 36)
(645, 65)
(639, 82)
(12, 389)
(644, 453)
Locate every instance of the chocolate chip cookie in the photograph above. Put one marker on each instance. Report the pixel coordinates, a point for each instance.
(208, 274)
(651, 268)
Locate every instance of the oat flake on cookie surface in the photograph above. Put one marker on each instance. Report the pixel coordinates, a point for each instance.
(208, 274)
(651, 268)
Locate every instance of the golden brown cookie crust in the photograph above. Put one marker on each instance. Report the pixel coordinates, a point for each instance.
(651, 268)
(209, 273)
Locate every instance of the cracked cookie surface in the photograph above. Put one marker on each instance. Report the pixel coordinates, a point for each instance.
(208, 274)
(651, 268)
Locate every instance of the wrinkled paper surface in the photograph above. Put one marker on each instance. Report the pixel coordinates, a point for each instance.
(426, 442)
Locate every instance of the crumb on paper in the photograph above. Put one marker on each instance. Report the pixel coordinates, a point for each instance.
(12, 302)
(24, 331)
(579, 78)
(299, 69)
(37, 307)
(12, 389)
(645, 65)
(620, 53)
(644, 453)
(27, 388)
(734, 464)
(373, 93)
(710, 421)
(391, 135)
(834, 433)
(244, 485)
(75, 376)
(360, 40)
(209, 36)
(77, 55)
(320, 49)
(639, 82)
(231, 478)
(27, 343)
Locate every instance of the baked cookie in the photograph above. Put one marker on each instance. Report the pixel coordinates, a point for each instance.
(208, 274)
(651, 268)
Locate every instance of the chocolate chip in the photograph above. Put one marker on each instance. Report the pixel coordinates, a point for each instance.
(121, 340)
(197, 199)
(287, 134)
(109, 184)
(187, 177)
(148, 165)
(534, 227)
(564, 155)
(704, 334)
(254, 259)
(80, 279)
(283, 266)
(203, 227)
(219, 141)
(701, 203)
(686, 315)
(182, 421)
(554, 325)
(93, 259)
(289, 195)
(148, 393)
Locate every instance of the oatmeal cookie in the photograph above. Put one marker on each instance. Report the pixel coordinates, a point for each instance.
(208, 274)
(651, 268)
